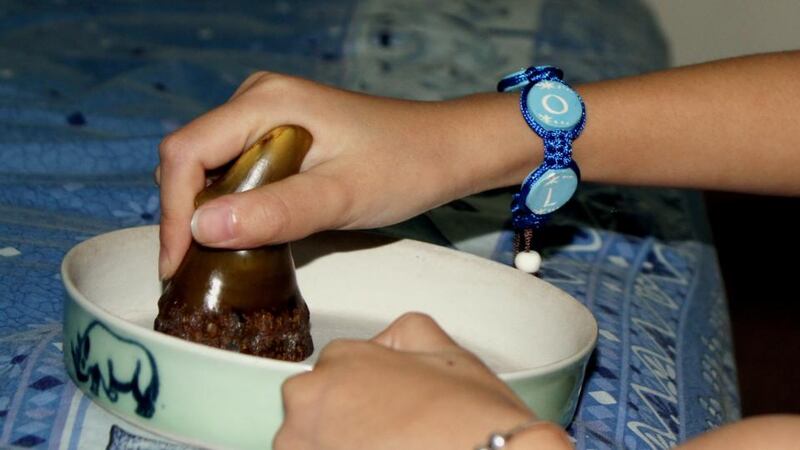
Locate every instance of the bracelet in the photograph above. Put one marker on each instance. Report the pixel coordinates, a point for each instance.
(556, 113)
(498, 441)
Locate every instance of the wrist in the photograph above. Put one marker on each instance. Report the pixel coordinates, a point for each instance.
(529, 435)
(495, 144)
(540, 436)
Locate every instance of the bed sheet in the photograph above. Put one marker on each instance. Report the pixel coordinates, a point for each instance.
(88, 89)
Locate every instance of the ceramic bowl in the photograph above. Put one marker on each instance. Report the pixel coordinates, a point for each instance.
(534, 336)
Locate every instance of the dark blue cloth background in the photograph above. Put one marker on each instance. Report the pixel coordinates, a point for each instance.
(89, 88)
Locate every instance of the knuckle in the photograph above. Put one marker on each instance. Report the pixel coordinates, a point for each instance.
(286, 438)
(255, 77)
(300, 393)
(277, 82)
(414, 320)
(293, 385)
(338, 348)
(172, 149)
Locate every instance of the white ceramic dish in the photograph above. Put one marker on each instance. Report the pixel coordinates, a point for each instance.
(535, 336)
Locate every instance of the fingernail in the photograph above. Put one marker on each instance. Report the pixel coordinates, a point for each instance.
(163, 264)
(214, 224)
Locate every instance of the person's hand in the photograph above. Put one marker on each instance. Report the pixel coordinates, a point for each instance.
(374, 162)
(410, 387)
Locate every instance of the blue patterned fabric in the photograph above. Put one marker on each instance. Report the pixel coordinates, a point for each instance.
(88, 89)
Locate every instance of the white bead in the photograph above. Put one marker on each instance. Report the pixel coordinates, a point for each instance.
(497, 442)
(528, 262)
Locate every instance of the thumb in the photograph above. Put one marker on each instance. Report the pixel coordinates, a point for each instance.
(286, 210)
(415, 332)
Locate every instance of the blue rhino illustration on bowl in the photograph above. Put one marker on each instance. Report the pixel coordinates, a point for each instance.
(116, 365)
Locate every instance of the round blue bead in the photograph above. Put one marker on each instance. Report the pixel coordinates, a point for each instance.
(551, 190)
(554, 105)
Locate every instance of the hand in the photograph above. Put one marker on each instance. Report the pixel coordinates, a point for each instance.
(374, 162)
(410, 387)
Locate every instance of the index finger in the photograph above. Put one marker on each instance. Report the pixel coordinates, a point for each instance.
(207, 142)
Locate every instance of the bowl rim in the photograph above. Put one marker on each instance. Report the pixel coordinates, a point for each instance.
(297, 367)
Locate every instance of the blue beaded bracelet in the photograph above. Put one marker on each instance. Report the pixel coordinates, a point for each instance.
(556, 113)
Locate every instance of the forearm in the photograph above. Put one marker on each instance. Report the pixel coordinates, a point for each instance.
(763, 432)
(727, 125)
